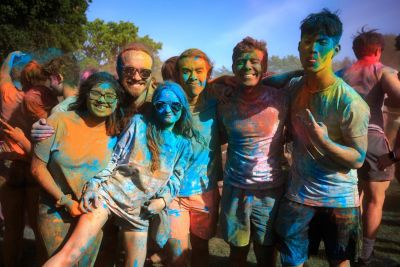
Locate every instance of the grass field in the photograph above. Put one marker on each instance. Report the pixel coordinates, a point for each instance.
(387, 248)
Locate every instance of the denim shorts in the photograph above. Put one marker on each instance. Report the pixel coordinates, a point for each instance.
(300, 227)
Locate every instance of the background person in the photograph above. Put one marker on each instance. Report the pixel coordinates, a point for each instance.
(373, 81)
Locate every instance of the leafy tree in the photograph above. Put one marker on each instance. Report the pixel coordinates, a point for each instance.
(284, 64)
(105, 40)
(221, 72)
(340, 64)
(29, 25)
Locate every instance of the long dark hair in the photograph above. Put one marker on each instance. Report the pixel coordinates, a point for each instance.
(112, 121)
(184, 126)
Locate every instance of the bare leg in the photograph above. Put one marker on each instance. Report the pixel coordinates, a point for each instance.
(374, 198)
(135, 244)
(84, 235)
(373, 204)
(178, 251)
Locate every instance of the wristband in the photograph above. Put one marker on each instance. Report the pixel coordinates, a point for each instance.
(64, 199)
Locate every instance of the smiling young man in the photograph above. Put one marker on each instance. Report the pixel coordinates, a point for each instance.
(253, 121)
(328, 122)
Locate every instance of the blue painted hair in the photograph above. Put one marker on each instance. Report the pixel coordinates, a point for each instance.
(184, 126)
(324, 22)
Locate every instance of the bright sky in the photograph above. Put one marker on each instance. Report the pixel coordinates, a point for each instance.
(215, 26)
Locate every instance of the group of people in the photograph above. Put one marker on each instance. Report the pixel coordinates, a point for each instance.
(145, 157)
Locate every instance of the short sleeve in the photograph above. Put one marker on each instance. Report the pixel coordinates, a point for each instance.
(44, 148)
(355, 118)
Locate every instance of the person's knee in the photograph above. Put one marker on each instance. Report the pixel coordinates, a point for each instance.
(375, 193)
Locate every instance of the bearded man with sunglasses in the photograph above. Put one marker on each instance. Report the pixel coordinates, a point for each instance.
(134, 69)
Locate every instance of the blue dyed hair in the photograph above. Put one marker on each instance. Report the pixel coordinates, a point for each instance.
(324, 22)
(184, 126)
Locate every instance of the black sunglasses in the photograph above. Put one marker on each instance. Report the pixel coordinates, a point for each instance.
(130, 72)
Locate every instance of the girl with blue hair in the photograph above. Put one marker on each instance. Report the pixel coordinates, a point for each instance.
(142, 178)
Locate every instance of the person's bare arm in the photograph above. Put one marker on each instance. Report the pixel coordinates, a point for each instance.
(351, 155)
(391, 85)
(280, 80)
(44, 178)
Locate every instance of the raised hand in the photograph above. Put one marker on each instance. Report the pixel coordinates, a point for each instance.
(317, 131)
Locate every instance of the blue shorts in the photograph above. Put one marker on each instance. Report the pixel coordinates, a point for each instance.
(300, 227)
(249, 214)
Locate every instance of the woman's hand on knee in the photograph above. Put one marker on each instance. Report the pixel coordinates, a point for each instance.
(90, 200)
(72, 207)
